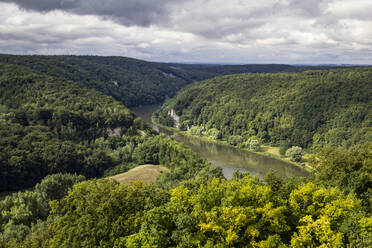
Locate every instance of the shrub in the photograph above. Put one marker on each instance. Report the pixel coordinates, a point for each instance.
(214, 133)
(196, 130)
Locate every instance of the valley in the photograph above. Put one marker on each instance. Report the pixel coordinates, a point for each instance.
(66, 132)
(224, 156)
(185, 124)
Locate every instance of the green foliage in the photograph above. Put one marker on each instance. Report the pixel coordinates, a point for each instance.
(295, 153)
(56, 186)
(254, 145)
(235, 140)
(284, 146)
(50, 125)
(321, 214)
(130, 81)
(350, 170)
(311, 109)
(217, 213)
(196, 130)
(113, 210)
(183, 162)
(19, 211)
(214, 133)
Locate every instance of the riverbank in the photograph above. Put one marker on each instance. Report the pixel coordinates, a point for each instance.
(267, 151)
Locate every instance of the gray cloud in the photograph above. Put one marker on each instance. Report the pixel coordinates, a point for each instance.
(46, 5)
(127, 12)
(240, 31)
(312, 8)
(192, 15)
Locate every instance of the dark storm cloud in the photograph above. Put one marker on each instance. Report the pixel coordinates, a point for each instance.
(127, 12)
(45, 5)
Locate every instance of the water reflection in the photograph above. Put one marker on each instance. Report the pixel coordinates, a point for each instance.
(229, 158)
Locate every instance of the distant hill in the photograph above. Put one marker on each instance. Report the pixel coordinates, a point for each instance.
(308, 109)
(131, 81)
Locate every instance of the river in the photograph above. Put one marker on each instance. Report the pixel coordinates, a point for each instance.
(226, 157)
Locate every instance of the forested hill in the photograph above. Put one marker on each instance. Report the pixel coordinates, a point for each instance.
(51, 125)
(308, 109)
(131, 81)
(213, 70)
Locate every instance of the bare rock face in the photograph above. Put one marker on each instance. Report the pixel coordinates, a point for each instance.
(175, 118)
(114, 132)
(111, 132)
(171, 75)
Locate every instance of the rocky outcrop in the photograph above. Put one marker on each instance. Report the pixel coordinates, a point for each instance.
(118, 131)
(114, 131)
(175, 117)
(171, 75)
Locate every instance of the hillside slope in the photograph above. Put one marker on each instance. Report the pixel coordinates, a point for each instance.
(131, 81)
(49, 125)
(309, 109)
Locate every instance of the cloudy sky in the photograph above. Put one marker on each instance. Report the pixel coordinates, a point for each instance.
(228, 31)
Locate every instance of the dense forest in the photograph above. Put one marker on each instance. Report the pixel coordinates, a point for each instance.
(311, 109)
(213, 70)
(131, 81)
(61, 139)
(205, 211)
(50, 125)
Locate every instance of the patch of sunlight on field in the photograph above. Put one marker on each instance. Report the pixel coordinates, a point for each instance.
(146, 173)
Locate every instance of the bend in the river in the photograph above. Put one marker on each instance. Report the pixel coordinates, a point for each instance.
(226, 157)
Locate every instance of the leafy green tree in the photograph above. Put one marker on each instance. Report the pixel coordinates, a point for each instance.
(196, 130)
(349, 170)
(99, 212)
(294, 153)
(214, 133)
(254, 145)
(20, 211)
(322, 212)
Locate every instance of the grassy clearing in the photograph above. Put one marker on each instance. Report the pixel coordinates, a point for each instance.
(146, 173)
(271, 149)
